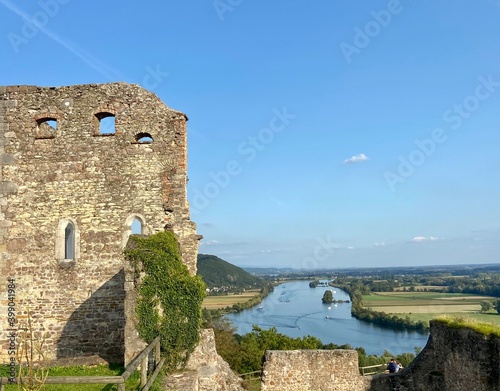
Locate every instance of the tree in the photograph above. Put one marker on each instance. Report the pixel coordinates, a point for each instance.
(227, 344)
(313, 284)
(486, 306)
(327, 297)
(497, 306)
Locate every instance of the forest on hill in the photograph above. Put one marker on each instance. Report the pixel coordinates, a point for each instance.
(223, 276)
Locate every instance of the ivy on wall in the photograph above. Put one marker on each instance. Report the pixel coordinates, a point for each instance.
(169, 300)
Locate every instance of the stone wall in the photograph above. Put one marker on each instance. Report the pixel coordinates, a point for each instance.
(453, 360)
(58, 167)
(314, 370)
(212, 372)
(205, 370)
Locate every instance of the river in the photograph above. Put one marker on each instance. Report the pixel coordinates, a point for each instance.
(296, 310)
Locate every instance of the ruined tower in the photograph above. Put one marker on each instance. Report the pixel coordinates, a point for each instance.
(81, 165)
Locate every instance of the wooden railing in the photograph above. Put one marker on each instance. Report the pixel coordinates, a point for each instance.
(141, 359)
(371, 368)
(251, 376)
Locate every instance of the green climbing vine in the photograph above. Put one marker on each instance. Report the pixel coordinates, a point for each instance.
(169, 302)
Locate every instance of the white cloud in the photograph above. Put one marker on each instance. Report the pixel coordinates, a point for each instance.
(209, 242)
(360, 157)
(379, 244)
(418, 239)
(350, 248)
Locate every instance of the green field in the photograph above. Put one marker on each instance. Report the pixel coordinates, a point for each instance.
(427, 305)
(487, 318)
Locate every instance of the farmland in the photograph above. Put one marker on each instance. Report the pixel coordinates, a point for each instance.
(223, 301)
(423, 306)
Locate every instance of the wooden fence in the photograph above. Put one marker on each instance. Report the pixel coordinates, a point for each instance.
(372, 369)
(141, 360)
(365, 371)
(251, 376)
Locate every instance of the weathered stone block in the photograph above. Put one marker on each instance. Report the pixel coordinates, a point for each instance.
(6, 159)
(322, 370)
(8, 187)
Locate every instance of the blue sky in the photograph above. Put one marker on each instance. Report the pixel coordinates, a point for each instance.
(321, 134)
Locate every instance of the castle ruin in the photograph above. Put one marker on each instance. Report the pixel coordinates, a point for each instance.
(80, 167)
(454, 359)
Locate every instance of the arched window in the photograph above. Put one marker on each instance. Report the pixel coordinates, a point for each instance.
(134, 225)
(69, 241)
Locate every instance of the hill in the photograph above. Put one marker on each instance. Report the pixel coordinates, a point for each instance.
(217, 273)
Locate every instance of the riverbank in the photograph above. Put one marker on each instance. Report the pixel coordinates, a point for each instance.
(217, 306)
(296, 310)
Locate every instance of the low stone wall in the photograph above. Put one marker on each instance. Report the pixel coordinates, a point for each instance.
(315, 370)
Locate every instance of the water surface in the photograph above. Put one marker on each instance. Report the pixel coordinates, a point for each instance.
(296, 310)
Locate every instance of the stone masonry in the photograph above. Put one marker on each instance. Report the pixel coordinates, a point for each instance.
(312, 370)
(67, 187)
(454, 359)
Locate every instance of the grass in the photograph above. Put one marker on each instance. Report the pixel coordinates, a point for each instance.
(132, 383)
(223, 301)
(252, 384)
(466, 322)
(426, 317)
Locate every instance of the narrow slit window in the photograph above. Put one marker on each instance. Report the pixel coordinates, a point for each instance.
(69, 241)
(106, 123)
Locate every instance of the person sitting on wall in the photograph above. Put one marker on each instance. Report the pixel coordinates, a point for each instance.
(392, 366)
